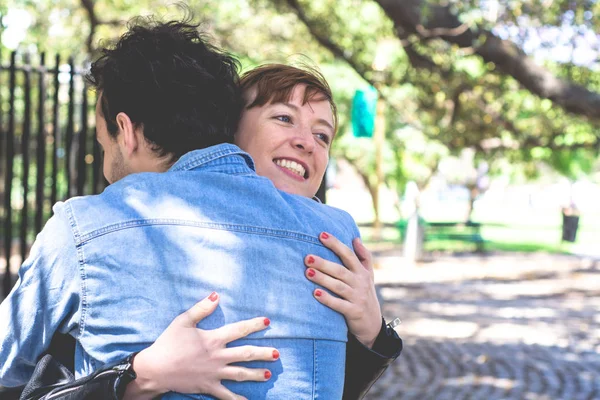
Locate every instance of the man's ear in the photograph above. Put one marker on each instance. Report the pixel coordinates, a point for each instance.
(127, 133)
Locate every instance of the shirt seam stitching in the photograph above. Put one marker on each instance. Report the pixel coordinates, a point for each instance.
(81, 263)
(314, 386)
(197, 161)
(256, 230)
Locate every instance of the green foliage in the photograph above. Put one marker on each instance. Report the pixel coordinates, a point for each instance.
(447, 100)
(573, 164)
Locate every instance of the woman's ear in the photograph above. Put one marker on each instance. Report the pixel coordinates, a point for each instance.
(127, 131)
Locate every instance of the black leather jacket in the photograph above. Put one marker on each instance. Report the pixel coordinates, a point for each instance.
(364, 366)
(53, 381)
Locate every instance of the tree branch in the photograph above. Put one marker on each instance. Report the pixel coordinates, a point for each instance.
(362, 70)
(509, 58)
(324, 41)
(443, 23)
(89, 6)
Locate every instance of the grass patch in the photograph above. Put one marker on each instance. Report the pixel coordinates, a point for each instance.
(497, 236)
(454, 246)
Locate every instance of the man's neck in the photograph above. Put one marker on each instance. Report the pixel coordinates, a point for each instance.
(153, 164)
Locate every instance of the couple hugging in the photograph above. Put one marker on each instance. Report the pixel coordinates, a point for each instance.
(211, 191)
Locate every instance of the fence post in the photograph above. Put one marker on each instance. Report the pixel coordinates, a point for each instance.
(70, 128)
(25, 158)
(41, 146)
(2, 133)
(55, 132)
(97, 167)
(82, 139)
(10, 144)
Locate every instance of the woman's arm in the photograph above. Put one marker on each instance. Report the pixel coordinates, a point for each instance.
(372, 345)
(364, 366)
(184, 359)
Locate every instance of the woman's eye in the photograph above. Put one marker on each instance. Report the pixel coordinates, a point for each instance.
(322, 137)
(284, 118)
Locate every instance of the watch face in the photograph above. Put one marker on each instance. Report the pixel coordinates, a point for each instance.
(124, 375)
(395, 323)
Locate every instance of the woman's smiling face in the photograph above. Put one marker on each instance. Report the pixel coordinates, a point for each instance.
(289, 141)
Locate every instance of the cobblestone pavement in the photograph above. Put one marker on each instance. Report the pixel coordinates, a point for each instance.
(500, 326)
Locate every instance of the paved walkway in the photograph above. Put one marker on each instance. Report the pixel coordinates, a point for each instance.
(501, 326)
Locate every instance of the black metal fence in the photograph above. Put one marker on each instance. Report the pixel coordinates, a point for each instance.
(48, 150)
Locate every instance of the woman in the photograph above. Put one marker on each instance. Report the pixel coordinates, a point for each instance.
(285, 106)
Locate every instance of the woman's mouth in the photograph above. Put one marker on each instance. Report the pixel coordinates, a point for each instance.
(292, 167)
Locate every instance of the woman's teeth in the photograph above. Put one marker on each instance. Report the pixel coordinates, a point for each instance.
(292, 166)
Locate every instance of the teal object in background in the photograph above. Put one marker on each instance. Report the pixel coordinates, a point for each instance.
(364, 108)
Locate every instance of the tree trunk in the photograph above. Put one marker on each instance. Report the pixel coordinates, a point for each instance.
(365, 178)
(473, 193)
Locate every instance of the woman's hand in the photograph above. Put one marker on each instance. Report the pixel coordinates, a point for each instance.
(354, 284)
(186, 359)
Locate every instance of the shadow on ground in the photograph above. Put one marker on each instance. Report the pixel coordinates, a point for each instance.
(503, 326)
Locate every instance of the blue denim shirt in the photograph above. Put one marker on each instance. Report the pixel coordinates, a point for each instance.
(114, 269)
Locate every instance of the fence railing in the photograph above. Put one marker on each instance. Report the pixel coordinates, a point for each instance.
(48, 150)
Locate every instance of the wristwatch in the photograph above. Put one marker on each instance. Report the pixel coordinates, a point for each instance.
(394, 323)
(124, 374)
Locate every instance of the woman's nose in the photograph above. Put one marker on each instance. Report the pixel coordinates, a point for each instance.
(304, 140)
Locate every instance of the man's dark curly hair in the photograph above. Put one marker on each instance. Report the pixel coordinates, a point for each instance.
(172, 82)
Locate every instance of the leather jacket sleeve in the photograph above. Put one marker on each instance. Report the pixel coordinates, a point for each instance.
(52, 381)
(364, 366)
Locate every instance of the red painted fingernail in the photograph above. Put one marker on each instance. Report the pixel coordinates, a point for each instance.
(275, 354)
(311, 272)
(267, 374)
(324, 235)
(318, 293)
(267, 321)
(310, 260)
(213, 296)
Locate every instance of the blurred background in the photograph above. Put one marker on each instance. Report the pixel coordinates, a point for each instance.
(467, 151)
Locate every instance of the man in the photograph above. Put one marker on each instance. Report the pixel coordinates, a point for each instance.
(113, 270)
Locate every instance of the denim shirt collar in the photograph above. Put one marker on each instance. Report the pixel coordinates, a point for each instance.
(199, 158)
